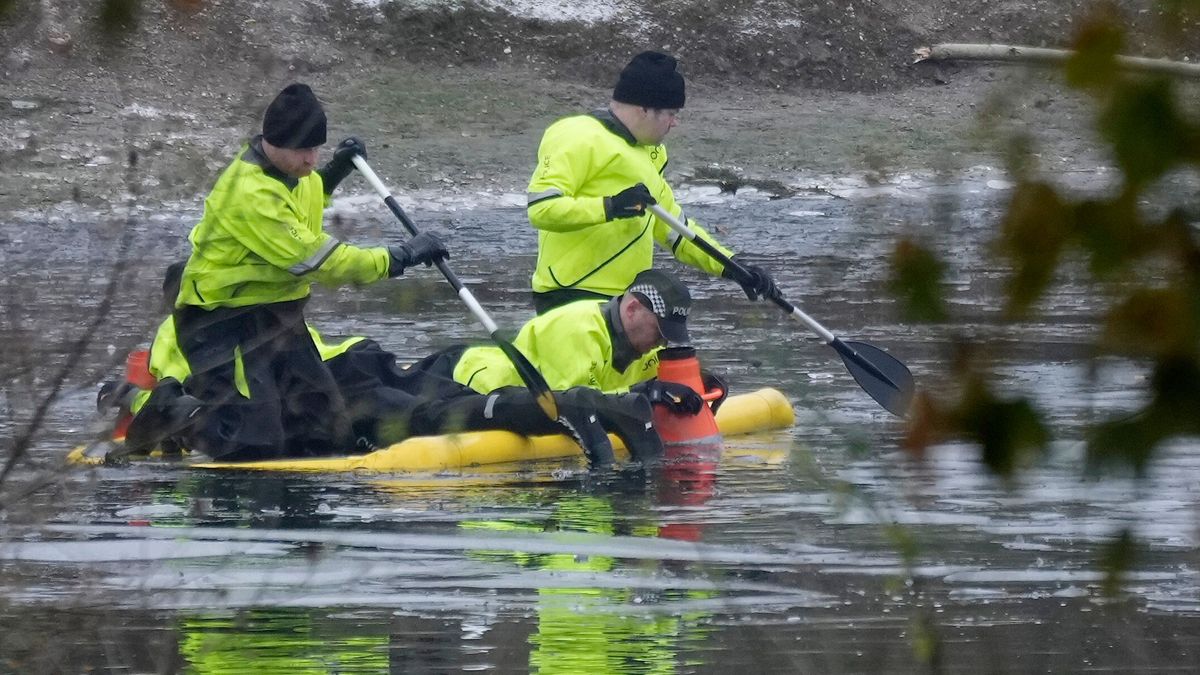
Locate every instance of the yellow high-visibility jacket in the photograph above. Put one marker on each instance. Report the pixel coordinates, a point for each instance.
(581, 160)
(571, 346)
(261, 240)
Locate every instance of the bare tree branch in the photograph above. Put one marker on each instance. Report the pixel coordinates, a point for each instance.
(958, 51)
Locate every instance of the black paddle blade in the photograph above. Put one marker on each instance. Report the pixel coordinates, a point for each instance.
(879, 373)
(531, 377)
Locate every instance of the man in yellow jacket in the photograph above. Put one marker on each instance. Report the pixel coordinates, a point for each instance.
(595, 176)
(609, 345)
(353, 363)
(240, 311)
(603, 354)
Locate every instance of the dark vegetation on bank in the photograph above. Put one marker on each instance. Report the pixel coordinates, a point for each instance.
(777, 44)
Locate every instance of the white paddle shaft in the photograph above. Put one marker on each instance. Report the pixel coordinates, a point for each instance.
(690, 234)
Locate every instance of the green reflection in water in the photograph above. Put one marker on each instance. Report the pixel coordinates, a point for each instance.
(596, 630)
(279, 641)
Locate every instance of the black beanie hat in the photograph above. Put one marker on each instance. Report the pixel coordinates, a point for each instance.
(295, 119)
(651, 81)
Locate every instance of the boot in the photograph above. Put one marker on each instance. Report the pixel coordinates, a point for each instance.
(167, 412)
(577, 413)
(631, 418)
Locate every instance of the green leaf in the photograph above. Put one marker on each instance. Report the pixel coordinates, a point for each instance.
(1176, 387)
(1112, 234)
(903, 541)
(1035, 228)
(1117, 559)
(926, 642)
(1147, 132)
(1125, 443)
(1020, 156)
(1133, 440)
(119, 16)
(1156, 322)
(916, 281)
(1011, 432)
(1093, 63)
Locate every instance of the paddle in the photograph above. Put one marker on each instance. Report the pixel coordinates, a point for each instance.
(885, 378)
(529, 375)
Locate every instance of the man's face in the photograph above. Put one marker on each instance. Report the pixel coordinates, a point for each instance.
(295, 162)
(654, 124)
(641, 325)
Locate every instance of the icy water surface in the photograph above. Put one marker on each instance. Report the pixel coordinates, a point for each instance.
(784, 557)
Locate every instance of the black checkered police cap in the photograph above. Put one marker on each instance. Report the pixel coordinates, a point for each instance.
(670, 301)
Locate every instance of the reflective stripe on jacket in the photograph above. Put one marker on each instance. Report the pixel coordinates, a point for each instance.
(327, 351)
(261, 240)
(570, 346)
(581, 160)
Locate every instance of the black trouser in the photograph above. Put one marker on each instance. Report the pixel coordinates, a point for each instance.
(295, 408)
(443, 405)
(423, 399)
(378, 397)
(510, 408)
(388, 404)
(548, 300)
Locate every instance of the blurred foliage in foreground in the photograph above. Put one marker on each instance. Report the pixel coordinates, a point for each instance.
(1142, 259)
(1152, 317)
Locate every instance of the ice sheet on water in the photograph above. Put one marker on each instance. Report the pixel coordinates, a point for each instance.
(151, 511)
(545, 10)
(135, 549)
(1041, 576)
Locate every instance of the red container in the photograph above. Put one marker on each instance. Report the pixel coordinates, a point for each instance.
(137, 373)
(679, 364)
(137, 370)
(689, 464)
(122, 426)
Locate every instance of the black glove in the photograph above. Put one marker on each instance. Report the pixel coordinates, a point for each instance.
(628, 203)
(423, 248)
(336, 169)
(679, 398)
(755, 282)
(117, 395)
(713, 381)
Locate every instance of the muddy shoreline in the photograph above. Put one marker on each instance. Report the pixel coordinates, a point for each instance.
(461, 106)
(476, 129)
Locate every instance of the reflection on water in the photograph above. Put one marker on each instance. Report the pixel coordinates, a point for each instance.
(782, 555)
(279, 642)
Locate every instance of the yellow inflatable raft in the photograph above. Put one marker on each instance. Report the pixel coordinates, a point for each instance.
(761, 410)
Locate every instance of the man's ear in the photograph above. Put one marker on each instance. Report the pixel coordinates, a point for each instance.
(629, 307)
